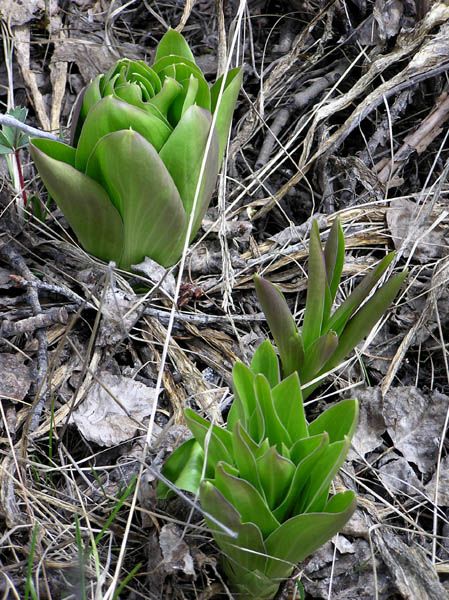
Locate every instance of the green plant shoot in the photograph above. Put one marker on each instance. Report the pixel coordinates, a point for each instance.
(12, 140)
(267, 475)
(326, 338)
(127, 183)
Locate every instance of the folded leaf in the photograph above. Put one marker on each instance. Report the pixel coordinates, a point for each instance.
(274, 429)
(173, 42)
(247, 548)
(246, 499)
(337, 421)
(317, 288)
(281, 323)
(85, 204)
(265, 362)
(184, 468)
(334, 256)
(225, 109)
(109, 115)
(317, 355)
(132, 173)
(275, 474)
(364, 320)
(287, 402)
(215, 441)
(183, 155)
(344, 312)
(298, 537)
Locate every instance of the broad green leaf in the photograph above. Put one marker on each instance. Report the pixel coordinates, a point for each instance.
(344, 312)
(317, 355)
(274, 429)
(316, 290)
(5, 143)
(305, 446)
(338, 421)
(324, 471)
(300, 536)
(85, 204)
(287, 400)
(364, 320)
(245, 395)
(215, 441)
(245, 499)
(281, 323)
(275, 474)
(244, 449)
(225, 109)
(233, 415)
(247, 549)
(301, 479)
(183, 155)
(334, 256)
(110, 115)
(173, 42)
(184, 468)
(131, 172)
(266, 362)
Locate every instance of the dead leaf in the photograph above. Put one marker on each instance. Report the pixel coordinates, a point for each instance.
(412, 572)
(114, 409)
(371, 426)
(415, 424)
(20, 12)
(407, 227)
(443, 484)
(398, 476)
(119, 316)
(158, 275)
(175, 551)
(15, 377)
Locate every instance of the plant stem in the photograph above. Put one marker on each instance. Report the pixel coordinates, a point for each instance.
(21, 179)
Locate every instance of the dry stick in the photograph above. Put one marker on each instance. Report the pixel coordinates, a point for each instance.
(16, 261)
(53, 289)
(418, 140)
(201, 319)
(382, 132)
(31, 131)
(300, 101)
(45, 319)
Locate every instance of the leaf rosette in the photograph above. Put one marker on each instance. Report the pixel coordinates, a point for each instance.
(267, 475)
(128, 181)
(326, 338)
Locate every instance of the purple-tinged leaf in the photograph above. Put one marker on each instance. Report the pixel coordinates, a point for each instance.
(316, 290)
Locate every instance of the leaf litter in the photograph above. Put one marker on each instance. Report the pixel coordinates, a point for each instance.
(347, 102)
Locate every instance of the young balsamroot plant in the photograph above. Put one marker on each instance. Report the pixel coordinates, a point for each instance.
(326, 338)
(267, 475)
(127, 185)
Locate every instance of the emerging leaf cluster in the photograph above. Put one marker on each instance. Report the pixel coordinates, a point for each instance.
(267, 475)
(127, 184)
(326, 338)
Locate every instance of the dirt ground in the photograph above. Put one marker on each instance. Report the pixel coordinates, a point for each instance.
(344, 111)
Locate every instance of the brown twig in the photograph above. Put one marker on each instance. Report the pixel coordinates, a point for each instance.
(418, 140)
(16, 262)
(45, 319)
